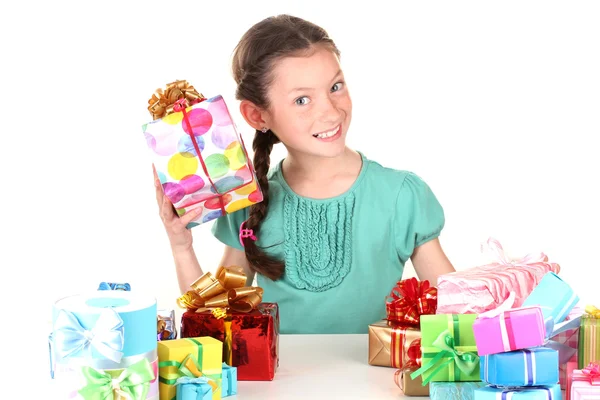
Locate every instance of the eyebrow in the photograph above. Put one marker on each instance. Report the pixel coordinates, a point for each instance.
(304, 89)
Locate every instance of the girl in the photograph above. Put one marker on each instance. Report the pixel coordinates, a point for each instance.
(335, 229)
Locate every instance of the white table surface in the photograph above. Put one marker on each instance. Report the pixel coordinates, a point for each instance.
(310, 367)
(324, 367)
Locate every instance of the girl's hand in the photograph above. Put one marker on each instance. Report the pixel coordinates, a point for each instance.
(179, 236)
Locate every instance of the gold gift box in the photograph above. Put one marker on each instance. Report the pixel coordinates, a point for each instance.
(412, 387)
(384, 337)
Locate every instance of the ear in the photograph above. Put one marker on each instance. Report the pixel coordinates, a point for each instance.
(254, 115)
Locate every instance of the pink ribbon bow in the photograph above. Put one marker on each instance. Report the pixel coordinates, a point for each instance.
(530, 259)
(592, 373)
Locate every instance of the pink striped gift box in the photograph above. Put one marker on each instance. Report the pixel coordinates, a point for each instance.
(483, 288)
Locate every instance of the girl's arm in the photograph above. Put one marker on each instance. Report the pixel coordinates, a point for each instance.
(180, 238)
(430, 261)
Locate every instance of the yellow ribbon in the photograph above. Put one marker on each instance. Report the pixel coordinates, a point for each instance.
(592, 311)
(162, 101)
(225, 291)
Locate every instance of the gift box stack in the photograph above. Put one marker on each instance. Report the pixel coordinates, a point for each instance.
(395, 341)
(517, 355)
(220, 306)
(508, 329)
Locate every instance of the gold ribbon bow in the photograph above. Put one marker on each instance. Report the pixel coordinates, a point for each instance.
(226, 290)
(162, 101)
(592, 311)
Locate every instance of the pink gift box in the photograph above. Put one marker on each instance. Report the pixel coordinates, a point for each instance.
(563, 372)
(514, 329)
(582, 387)
(483, 288)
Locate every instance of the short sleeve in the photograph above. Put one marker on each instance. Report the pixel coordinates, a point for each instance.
(227, 228)
(419, 216)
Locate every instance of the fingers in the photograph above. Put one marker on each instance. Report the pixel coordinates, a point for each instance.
(190, 216)
(166, 209)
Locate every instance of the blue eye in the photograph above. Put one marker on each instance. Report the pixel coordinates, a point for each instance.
(302, 101)
(338, 86)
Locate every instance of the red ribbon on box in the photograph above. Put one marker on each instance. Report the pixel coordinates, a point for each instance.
(180, 106)
(407, 301)
(414, 360)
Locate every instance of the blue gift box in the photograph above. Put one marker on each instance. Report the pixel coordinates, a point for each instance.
(531, 393)
(528, 367)
(228, 381)
(453, 390)
(194, 388)
(554, 296)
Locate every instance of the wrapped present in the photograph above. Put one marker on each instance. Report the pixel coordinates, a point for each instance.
(228, 381)
(585, 383)
(409, 386)
(221, 307)
(483, 288)
(554, 296)
(568, 339)
(569, 368)
(505, 329)
(201, 388)
(552, 392)
(190, 357)
(564, 370)
(526, 367)
(454, 390)
(114, 286)
(449, 353)
(198, 154)
(589, 337)
(165, 325)
(102, 336)
(389, 339)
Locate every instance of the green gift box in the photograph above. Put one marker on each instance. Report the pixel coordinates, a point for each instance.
(449, 353)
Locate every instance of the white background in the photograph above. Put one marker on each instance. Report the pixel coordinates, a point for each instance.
(494, 104)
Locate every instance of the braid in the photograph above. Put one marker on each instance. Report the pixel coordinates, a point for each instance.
(259, 260)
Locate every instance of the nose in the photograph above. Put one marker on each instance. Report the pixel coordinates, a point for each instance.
(330, 111)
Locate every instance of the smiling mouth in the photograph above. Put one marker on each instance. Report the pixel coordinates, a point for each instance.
(327, 134)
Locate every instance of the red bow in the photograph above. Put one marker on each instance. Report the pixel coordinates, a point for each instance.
(409, 300)
(414, 354)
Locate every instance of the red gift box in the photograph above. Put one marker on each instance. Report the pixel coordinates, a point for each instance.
(250, 339)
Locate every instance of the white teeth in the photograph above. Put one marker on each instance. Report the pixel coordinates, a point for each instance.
(327, 134)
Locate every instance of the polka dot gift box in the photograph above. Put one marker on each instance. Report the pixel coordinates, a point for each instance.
(198, 154)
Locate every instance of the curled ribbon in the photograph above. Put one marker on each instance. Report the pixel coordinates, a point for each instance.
(163, 102)
(226, 291)
(530, 259)
(592, 373)
(465, 361)
(414, 354)
(410, 299)
(132, 383)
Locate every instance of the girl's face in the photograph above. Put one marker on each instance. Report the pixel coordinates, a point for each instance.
(311, 107)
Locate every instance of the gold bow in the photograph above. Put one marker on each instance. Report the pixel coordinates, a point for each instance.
(225, 290)
(592, 311)
(162, 101)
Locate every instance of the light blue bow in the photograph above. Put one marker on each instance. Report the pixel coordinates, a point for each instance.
(202, 386)
(564, 352)
(106, 336)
